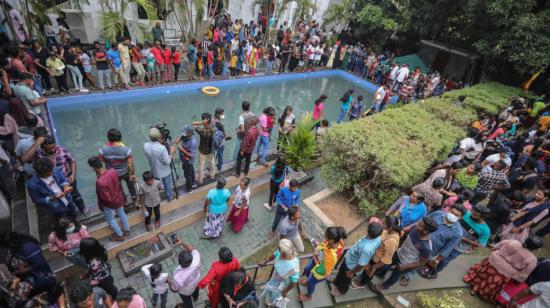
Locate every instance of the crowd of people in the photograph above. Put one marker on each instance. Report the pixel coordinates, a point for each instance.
(491, 192)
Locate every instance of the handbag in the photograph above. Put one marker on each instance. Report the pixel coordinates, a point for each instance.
(510, 290)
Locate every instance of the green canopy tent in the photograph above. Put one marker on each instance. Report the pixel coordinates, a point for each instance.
(413, 61)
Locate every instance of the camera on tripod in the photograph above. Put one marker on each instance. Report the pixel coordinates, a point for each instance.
(164, 132)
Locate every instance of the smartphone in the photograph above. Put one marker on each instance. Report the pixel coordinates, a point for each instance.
(174, 238)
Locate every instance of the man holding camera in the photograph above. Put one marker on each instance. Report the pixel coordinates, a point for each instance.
(160, 159)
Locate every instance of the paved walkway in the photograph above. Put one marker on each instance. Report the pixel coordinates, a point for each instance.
(250, 239)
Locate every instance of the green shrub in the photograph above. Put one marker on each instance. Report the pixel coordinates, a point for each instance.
(377, 157)
(300, 147)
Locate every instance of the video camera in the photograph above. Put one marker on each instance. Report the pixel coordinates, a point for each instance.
(164, 132)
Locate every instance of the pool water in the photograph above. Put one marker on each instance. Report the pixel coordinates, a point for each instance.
(81, 122)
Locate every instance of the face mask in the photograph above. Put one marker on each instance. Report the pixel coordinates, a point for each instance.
(452, 218)
(70, 229)
(222, 117)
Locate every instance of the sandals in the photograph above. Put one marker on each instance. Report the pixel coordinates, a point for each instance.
(404, 281)
(116, 238)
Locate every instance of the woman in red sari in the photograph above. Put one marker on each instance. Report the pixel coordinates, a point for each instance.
(226, 263)
(239, 212)
(509, 260)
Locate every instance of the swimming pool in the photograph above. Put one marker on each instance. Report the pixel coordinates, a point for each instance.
(80, 123)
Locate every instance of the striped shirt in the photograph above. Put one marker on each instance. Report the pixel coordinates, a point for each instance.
(446, 237)
(62, 159)
(115, 155)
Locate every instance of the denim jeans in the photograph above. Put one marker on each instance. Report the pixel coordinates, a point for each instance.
(279, 214)
(443, 263)
(104, 74)
(219, 158)
(76, 75)
(396, 275)
(163, 299)
(109, 215)
(38, 84)
(269, 70)
(377, 106)
(58, 209)
(341, 116)
(225, 69)
(263, 147)
(167, 183)
(210, 71)
(311, 280)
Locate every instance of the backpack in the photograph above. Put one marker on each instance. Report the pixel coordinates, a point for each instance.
(218, 139)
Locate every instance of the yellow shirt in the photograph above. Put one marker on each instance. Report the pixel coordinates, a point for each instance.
(56, 66)
(544, 122)
(233, 62)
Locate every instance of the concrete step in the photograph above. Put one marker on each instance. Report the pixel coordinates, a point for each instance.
(292, 295)
(321, 298)
(172, 219)
(102, 230)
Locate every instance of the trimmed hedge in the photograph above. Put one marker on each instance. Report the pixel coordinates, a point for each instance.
(377, 157)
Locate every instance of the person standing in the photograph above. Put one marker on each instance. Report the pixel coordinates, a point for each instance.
(149, 199)
(379, 98)
(263, 145)
(286, 198)
(158, 32)
(114, 59)
(71, 59)
(159, 160)
(319, 109)
(402, 74)
(124, 55)
(136, 63)
(167, 57)
(238, 216)
(159, 62)
(158, 281)
(244, 123)
(192, 58)
(287, 123)
(187, 145)
(118, 156)
(176, 61)
(218, 270)
(219, 137)
(110, 198)
(206, 132)
(186, 276)
(56, 67)
(98, 267)
(357, 258)
(278, 172)
(286, 273)
(210, 62)
(346, 100)
(291, 228)
(102, 64)
(247, 146)
(215, 207)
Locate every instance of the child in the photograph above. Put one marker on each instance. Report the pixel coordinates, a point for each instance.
(322, 130)
(233, 63)
(356, 108)
(128, 298)
(239, 212)
(159, 283)
(199, 64)
(151, 68)
(149, 199)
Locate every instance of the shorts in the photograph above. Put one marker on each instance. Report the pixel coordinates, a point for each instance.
(159, 67)
(87, 68)
(151, 68)
(300, 63)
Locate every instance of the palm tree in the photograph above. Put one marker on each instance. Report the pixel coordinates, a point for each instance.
(183, 12)
(340, 15)
(113, 20)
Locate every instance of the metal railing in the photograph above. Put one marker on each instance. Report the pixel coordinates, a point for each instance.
(255, 268)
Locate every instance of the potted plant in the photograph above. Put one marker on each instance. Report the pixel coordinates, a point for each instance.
(300, 147)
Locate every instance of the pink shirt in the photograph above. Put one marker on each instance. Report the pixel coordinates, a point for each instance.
(263, 125)
(317, 110)
(157, 52)
(451, 200)
(137, 302)
(73, 240)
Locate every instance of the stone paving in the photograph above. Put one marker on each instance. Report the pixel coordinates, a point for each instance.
(250, 239)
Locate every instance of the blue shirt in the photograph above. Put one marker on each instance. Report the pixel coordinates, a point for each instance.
(480, 234)
(361, 252)
(411, 214)
(192, 53)
(287, 197)
(113, 56)
(356, 109)
(345, 105)
(446, 237)
(218, 200)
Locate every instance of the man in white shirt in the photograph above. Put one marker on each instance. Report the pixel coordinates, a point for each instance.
(378, 98)
(187, 275)
(317, 52)
(393, 73)
(402, 74)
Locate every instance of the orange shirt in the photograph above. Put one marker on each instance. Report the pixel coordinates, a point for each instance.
(176, 57)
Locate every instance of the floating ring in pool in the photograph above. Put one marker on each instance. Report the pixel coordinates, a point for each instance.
(210, 91)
